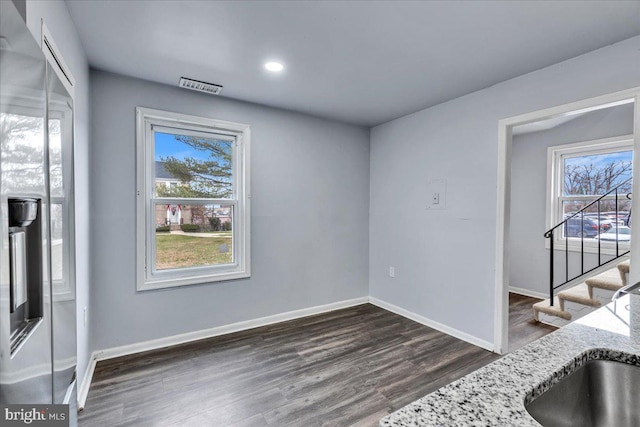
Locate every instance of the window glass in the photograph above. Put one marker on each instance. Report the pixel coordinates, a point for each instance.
(607, 208)
(193, 235)
(193, 166)
(596, 174)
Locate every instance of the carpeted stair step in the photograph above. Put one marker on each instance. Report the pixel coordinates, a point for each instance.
(575, 302)
(555, 310)
(609, 280)
(580, 294)
(623, 269)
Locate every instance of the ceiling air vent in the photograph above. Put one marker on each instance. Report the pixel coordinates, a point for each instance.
(205, 87)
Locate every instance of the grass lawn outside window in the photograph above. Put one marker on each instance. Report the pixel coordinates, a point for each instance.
(178, 250)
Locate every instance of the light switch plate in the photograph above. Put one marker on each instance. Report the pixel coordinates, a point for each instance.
(437, 194)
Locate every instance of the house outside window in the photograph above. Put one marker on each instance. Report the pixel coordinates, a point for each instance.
(580, 173)
(193, 206)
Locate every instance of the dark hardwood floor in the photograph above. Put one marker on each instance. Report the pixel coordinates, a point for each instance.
(523, 329)
(343, 368)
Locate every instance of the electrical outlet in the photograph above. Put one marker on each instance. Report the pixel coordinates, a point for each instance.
(392, 272)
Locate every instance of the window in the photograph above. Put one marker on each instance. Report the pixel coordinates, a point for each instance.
(580, 173)
(192, 200)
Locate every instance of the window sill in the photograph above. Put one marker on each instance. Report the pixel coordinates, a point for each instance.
(590, 246)
(164, 283)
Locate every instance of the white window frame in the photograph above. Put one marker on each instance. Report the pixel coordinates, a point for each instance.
(147, 277)
(555, 184)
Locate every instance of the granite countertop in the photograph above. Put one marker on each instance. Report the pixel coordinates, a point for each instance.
(495, 394)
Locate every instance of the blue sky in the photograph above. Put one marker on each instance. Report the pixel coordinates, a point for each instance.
(167, 145)
(600, 160)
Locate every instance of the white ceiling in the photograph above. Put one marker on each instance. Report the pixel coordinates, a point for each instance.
(359, 62)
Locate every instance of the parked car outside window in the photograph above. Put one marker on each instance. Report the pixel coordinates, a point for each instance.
(623, 234)
(578, 227)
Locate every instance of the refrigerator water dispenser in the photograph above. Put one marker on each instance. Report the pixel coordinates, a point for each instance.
(26, 268)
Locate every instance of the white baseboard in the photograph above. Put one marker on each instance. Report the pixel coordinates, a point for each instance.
(432, 324)
(225, 329)
(83, 389)
(528, 293)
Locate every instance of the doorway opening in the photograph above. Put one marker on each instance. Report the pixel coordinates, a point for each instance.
(527, 208)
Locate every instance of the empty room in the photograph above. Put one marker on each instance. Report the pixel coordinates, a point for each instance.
(319, 213)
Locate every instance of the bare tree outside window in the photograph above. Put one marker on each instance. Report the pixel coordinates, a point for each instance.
(594, 175)
(592, 179)
(207, 173)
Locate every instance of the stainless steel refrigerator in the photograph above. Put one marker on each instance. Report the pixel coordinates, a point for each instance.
(37, 283)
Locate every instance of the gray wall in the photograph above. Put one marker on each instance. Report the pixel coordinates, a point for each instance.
(62, 28)
(529, 260)
(310, 208)
(445, 259)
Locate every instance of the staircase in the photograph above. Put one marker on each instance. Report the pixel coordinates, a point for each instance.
(587, 285)
(577, 301)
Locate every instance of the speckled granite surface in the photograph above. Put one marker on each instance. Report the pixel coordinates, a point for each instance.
(495, 394)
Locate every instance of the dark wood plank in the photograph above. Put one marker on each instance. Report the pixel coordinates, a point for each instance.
(523, 329)
(347, 367)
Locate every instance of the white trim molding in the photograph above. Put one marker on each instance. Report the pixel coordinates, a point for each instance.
(634, 272)
(527, 292)
(225, 329)
(83, 388)
(432, 324)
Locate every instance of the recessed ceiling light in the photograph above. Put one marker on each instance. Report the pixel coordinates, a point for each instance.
(274, 66)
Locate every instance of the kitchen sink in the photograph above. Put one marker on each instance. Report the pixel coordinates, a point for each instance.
(598, 393)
